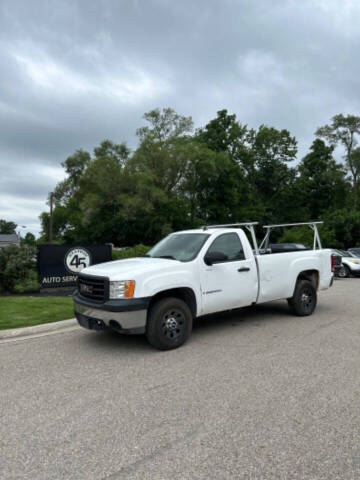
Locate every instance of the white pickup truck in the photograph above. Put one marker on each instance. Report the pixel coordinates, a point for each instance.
(198, 272)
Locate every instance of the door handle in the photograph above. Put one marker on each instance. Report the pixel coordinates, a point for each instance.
(243, 269)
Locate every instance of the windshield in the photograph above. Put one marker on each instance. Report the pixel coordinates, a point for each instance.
(344, 253)
(179, 246)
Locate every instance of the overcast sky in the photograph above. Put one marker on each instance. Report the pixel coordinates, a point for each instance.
(75, 72)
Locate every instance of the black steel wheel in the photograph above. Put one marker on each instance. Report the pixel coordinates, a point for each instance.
(169, 323)
(304, 300)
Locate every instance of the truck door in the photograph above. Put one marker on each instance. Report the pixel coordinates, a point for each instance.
(231, 282)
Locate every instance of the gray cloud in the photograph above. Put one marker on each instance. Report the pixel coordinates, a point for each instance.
(75, 72)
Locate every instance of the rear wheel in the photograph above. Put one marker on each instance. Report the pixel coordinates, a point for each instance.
(304, 300)
(169, 324)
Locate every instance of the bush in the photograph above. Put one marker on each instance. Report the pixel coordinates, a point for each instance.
(29, 284)
(17, 264)
(137, 251)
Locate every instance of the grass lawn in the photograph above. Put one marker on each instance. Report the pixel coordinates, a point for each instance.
(24, 311)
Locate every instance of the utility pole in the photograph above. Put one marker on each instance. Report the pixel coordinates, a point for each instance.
(51, 218)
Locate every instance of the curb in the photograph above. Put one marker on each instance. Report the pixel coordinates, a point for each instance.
(37, 329)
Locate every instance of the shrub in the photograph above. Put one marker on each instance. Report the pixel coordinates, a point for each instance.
(17, 264)
(137, 251)
(29, 284)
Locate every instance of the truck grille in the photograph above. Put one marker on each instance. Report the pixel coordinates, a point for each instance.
(92, 287)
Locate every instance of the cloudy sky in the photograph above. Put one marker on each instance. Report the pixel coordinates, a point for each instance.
(73, 72)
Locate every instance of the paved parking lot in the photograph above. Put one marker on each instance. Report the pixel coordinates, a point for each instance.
(254, 394)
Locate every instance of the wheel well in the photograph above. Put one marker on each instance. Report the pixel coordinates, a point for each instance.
(184, 293)
(311, 275)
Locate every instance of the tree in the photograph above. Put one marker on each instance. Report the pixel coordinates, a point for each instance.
(161, 154)
(74, 165)
(273, 180)
(345, 130)
(7, 228)
(29, 239)
(341, 228)
(165, 126)
(118, 151)
(322, 181)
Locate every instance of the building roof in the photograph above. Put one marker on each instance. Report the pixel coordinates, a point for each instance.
(9, 238)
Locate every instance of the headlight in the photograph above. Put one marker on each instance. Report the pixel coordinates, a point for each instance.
(354, 260)
(123, 289)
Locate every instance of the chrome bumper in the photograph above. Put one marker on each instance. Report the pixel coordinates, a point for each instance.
(134, 321)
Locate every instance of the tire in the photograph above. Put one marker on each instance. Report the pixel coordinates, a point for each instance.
(169, 324)
(303, 302)
(342, 272)
(347, 271)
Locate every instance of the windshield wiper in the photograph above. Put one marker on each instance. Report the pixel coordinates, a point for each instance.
(170, 257)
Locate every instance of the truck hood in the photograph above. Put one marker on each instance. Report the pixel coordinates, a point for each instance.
(129, 269)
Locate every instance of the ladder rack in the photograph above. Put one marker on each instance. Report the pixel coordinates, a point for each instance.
(312, 225)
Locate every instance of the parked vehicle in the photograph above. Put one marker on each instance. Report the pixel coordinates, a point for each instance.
(339, 270)
(350, 263)
(286, 247)
(193, 273)
(355, 252)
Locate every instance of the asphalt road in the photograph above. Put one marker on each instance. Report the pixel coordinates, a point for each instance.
(254, 394)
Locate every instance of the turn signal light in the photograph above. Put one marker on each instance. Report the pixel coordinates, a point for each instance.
(129, 289)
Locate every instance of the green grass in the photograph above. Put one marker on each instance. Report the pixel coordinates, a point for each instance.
(18, 311)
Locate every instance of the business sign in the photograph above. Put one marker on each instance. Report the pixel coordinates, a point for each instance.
(59, 265)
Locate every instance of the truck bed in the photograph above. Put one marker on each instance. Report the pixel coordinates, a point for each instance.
(278, 272)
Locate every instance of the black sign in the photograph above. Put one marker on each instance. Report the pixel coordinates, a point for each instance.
(59, 265)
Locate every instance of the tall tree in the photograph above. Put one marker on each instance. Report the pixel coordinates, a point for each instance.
(322, 181)
(162, 150)
(345, 130)
(272, 150)
(225, 134)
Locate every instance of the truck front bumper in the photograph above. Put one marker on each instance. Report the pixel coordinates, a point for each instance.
(123, 316)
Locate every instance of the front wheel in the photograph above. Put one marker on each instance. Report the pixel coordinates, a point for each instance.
(304, 300)
(347, 271)
(342, 272)
(169, 324)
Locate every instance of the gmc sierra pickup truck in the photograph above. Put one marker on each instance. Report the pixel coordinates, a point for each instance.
(198, 272)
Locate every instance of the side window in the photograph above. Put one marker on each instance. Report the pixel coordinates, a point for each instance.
(229, 244)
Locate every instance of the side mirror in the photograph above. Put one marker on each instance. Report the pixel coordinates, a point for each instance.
(215, 257)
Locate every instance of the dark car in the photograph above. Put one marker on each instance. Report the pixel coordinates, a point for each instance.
(286, 247)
